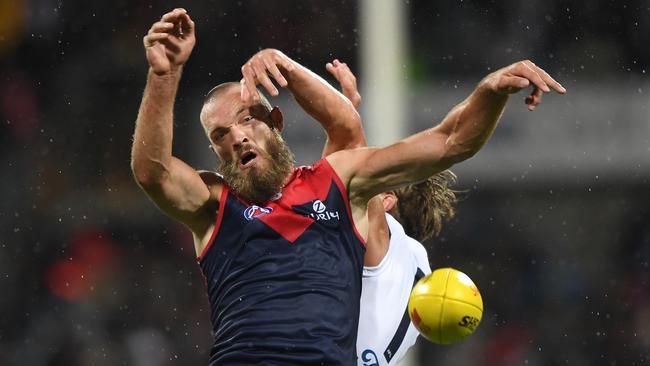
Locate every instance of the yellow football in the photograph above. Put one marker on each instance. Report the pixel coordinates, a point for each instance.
(445, 306)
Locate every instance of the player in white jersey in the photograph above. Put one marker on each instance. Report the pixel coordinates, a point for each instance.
(394, 261)
(385, 330)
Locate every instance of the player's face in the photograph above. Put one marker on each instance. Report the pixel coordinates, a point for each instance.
(238, 132)
(255, 159)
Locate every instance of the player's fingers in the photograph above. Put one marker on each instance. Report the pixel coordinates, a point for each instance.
(151, 39)
(171, 45)
(159, 27)
(167, 15)
(263, 78)
(173, 15)
(525, 70)
(534, 99)
(334, 71)
(243, 90)
(186, 24)
(249, 83)
(549, 80)
(513, 84)
(275, 72)
(349, 76)
(285, 62)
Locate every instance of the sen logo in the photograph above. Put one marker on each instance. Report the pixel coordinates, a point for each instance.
(469, 322)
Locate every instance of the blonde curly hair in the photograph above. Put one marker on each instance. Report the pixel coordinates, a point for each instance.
(422, 207)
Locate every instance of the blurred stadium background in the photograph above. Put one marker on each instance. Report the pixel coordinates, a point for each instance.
(554, 227)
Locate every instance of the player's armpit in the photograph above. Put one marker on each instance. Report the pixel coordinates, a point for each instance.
(184, 194)
(370, 171)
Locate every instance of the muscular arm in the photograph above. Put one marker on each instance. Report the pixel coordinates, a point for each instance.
(336, 114)
(176, 188)
(329, 107)
(460, 135)
(378, 239)
(355, 136)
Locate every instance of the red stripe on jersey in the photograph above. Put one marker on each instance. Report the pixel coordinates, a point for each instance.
(344, 192)
(217, 224)
(286, 223)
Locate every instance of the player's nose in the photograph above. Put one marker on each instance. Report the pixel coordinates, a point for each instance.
(239, 136)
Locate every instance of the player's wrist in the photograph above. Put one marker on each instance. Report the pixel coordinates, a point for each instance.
(170, 73)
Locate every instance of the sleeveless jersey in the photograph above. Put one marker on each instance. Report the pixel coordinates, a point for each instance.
(284, 279)
(385, 329)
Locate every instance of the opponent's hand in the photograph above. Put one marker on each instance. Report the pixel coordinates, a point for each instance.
(520, 75)
(346, 78)
(259, 70)
(170, 41)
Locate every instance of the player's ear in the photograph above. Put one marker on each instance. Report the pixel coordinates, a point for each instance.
(277, 120)
(389, 200)
(211, 147)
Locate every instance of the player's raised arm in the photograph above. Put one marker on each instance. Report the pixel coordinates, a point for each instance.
(346, 79)
(459, 136)
(317, 97)
(175, 187)
(348, 82)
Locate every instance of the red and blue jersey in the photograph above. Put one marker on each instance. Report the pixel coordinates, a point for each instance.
(284, 278)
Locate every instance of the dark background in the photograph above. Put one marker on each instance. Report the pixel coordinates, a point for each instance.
(92, 274)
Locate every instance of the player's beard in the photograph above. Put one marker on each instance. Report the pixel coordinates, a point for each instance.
(261, 183)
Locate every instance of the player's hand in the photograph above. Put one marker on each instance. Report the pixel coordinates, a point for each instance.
(170, 41)
(264, 65)
(346, 78)
(520, 75)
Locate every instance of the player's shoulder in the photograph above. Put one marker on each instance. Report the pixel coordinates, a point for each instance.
(214, 181)
(316, 171)
(346, 162)
(408, 245)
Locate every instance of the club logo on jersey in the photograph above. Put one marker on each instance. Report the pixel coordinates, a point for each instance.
(369, 358)
(254, 212)
(321, 212)
(319, 206)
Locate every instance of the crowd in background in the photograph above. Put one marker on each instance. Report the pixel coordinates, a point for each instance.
(92, 274)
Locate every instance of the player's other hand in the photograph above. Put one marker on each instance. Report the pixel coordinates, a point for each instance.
(520, 75)
(170, 41)
(346, 78)
(259, 69)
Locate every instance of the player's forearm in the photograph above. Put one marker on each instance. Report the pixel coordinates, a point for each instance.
(459, 136)
(152, 142)
(471, 123)
(328, 106)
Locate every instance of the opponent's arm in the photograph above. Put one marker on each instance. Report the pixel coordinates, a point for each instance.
(459, 136)
(378, 239)
(317, 97)
(346, 79)
(348, 82)
(175, 187)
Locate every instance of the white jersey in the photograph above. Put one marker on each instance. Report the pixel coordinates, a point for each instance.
(385, 329)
